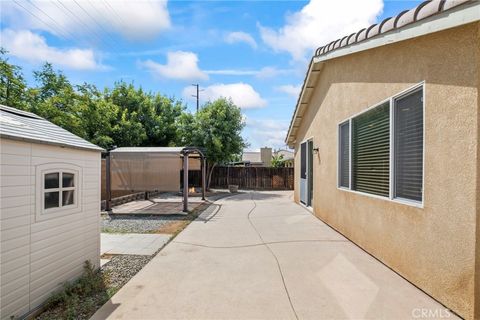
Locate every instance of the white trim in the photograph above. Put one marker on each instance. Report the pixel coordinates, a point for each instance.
(396, 200)
(349, 154)
(41, 170)
(458, 16)
(404, 93)
(391, 102)
(306, 167)
(391, 147)
(451, 18)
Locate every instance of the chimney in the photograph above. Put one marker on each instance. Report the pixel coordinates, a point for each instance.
(266, 156)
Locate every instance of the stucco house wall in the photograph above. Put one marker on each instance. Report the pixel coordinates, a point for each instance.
(38, 253)
(434, 246)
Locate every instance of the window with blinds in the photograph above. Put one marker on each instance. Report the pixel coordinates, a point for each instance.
(344, 155)
(371, 151)
(408, 146)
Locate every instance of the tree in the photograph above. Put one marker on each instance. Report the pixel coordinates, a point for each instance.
(98, 115)
(217, 128)
(12, 84)
(55, 99)
(278, 161)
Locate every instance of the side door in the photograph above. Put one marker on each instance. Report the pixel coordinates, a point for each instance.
(303, 174)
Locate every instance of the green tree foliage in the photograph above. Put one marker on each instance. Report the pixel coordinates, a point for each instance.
(12, 84)
(124, 115)
(216, 127)
(278, 161)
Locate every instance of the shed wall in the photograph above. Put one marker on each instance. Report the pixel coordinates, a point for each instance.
(38, 256)
(433, 246)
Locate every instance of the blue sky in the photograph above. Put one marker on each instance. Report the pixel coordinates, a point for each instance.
(256, 52)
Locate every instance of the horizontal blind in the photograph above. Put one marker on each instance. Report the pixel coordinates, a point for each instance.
(371, 151)
(344, 155)
(408, 146)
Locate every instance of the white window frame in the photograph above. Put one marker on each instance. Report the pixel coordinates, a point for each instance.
(349, 155)
(61, 210)
(391, 100)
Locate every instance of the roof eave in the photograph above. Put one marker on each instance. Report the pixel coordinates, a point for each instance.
(309, 83)
(454, 17)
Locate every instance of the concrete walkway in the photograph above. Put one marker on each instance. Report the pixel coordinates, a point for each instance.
(260, 256)
(132, 243)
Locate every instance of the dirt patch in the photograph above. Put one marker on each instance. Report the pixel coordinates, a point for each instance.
(173, 227)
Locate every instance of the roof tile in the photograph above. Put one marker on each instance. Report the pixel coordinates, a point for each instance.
(422, 11)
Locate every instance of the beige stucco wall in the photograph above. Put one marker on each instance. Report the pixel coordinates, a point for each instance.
(434, 246)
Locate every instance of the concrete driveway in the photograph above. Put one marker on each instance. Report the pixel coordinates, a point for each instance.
(258, 255)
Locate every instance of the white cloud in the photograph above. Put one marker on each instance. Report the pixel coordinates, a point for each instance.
(135, 20)
(289, 89)
(33, 48)
(181, 65)
(320, 22)
(239, 36)
(242, 94)
(266, 132)
(266, 72)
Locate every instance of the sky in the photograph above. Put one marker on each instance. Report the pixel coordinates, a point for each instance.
(255, 52)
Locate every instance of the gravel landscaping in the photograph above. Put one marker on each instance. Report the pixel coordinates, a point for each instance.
(82, 298)
(138, 224)
(122, 268)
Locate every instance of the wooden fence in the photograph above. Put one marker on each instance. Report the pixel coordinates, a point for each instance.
(258, 178)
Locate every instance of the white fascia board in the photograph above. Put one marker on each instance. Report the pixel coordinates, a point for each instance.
(455, 17)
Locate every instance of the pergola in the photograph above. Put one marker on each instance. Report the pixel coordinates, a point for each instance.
(195, 152)
(135, 154)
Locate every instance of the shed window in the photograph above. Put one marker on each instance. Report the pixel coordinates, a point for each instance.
(381, 150)
(344, 155)
(59, 189)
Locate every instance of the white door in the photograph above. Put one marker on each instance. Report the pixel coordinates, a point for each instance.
(306, 177)
(303, 173)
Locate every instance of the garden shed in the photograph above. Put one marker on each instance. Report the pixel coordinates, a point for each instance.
(50, 209)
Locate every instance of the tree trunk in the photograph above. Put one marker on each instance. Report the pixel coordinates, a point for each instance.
(210, 174)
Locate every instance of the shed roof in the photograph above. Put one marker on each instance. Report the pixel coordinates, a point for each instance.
(428, 17)
(21, 125)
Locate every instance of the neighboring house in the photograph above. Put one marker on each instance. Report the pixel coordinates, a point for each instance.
(136, 169)
(387, 146)
(288, 157)
(50, 209)
(262, 158)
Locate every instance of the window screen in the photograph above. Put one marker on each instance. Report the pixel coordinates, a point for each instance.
(303, 161)
(344, 155)
(408, 146)
(371, 151)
